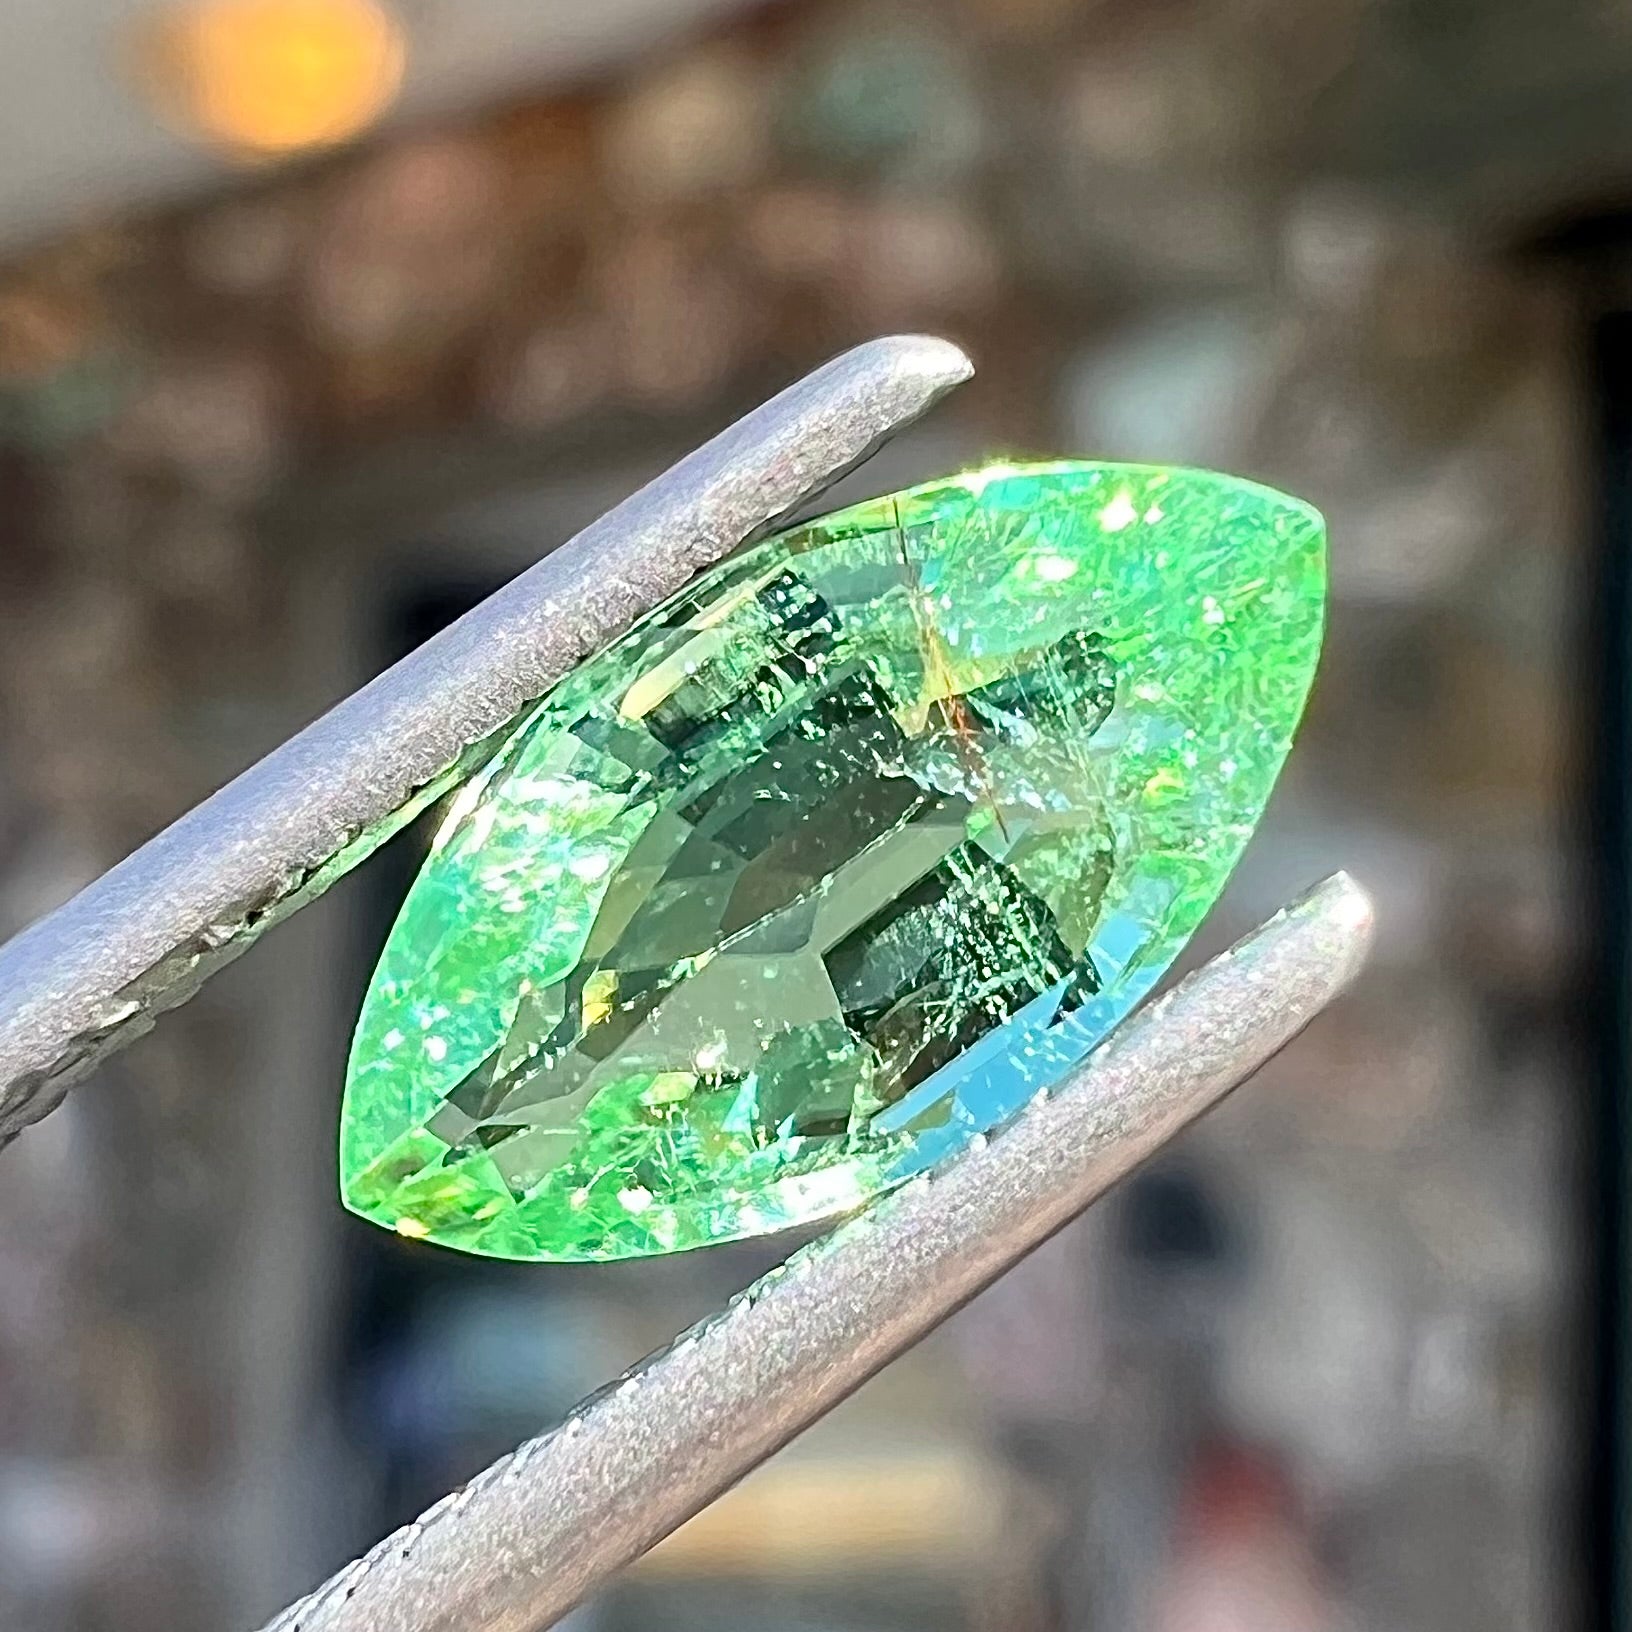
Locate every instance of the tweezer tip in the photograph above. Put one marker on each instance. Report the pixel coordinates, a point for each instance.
(1340, 906)
(1341, 900)
(924, 357)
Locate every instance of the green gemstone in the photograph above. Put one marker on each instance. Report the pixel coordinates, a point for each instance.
(833, 862)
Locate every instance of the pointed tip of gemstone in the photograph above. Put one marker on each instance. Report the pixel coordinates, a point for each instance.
(833, 862)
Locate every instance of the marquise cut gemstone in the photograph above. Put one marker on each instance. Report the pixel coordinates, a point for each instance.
(833, 862)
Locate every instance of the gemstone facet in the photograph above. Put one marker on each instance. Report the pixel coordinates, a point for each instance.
(833, 862)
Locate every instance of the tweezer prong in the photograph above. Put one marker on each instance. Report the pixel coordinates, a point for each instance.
(143, 938)
(538, 1531)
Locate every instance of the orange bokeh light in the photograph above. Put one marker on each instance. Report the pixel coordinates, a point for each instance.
(274, 76)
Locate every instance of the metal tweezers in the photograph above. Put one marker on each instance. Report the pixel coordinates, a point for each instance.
(535, 1533)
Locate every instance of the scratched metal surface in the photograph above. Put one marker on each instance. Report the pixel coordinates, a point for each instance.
(93, 975)
(539, 1530)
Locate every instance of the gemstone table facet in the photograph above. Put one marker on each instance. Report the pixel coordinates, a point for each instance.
(833, 862)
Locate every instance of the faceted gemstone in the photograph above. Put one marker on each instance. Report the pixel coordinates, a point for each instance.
(833, 862)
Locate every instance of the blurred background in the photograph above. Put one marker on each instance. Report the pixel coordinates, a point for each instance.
(321, 318)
